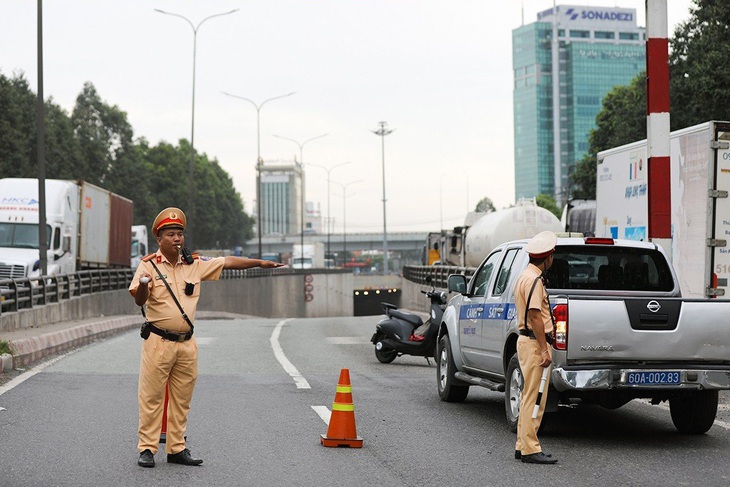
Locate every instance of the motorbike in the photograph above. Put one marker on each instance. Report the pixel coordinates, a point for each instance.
(403, 333)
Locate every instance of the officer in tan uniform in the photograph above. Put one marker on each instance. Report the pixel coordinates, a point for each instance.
(535, 323)
(170, 351)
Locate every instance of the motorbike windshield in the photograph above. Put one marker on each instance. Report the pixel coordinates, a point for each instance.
(22, 235)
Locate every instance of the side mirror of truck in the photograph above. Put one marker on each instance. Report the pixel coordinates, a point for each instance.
(457, 283)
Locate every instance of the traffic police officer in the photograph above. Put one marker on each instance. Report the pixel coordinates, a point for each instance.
(535, 323)
(170, 351)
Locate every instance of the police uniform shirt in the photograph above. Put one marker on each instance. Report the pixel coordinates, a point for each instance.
(161, 308)
(538, 300)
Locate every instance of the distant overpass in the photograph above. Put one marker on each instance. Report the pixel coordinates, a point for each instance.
(408, 244)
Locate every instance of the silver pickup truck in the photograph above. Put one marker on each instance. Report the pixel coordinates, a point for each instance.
(622, 332)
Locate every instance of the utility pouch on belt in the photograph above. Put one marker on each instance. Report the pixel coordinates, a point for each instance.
(144, 332)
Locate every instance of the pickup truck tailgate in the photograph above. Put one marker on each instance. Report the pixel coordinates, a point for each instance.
(647, 329)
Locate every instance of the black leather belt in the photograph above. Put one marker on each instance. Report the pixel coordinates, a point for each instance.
(171, 335)
(531, 334)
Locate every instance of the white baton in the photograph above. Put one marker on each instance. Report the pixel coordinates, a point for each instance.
(543, 380)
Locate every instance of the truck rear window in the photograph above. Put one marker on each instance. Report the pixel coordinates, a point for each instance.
(609, 268)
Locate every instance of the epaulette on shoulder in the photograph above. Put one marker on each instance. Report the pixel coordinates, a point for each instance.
(148, 258)
(196, 255)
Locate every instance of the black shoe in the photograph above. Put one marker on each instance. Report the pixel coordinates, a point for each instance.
(183, 458)
(518, 455)
(538, 458)
(146, 459)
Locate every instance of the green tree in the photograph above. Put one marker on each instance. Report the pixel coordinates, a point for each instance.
(548, 202)
(485, 205)
(699, 65)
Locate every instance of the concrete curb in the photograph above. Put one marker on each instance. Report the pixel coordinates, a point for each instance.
(29, 350)
(6, 363)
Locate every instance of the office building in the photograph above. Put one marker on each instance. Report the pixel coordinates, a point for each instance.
(281, 198)
(588, 50)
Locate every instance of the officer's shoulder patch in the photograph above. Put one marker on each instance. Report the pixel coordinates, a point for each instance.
(148, 258)
(196, 255)
(204, 258)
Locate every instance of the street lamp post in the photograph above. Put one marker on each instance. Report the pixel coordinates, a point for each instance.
(382, 132)
(192, 124)
(259, 162)
(328, 196)
(344, 216)
(301, 161)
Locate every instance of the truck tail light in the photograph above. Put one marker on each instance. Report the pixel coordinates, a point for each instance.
(560, 313)
(714, 284)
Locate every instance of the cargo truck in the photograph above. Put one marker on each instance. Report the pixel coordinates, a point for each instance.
(140, 244)
(700, 219)
(87, 227)
(309, 256)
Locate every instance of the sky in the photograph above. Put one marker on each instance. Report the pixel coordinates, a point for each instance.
(439, 72)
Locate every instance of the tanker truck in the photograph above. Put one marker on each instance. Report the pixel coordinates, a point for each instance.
(467, 246)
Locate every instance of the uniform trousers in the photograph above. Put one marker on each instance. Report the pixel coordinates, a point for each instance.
(529, 355)
(174, 363)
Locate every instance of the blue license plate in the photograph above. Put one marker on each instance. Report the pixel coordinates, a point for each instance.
(655, 378)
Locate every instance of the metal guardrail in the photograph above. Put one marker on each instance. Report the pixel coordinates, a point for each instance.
(29, 293)
(439, 274)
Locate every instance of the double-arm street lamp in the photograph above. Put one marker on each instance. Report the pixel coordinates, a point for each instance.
(301, 161)
(192, 124)
(329, 169)
(382, 132)
(259, 162)
(344, 216)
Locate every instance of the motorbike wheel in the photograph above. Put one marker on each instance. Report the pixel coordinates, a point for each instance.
(449, 387)
(385, 355)
(513, 392)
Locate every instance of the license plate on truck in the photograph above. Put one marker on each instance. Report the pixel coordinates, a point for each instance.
(653, 378)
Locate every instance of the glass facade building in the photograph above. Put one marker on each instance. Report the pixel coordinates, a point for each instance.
(281, 198)
(588, 50)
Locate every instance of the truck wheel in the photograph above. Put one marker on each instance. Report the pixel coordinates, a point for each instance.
(513, 392)
(694, 413)
(386, 355)
(450, 389)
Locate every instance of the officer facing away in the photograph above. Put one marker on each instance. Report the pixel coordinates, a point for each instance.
(535, 323)
(168, 282)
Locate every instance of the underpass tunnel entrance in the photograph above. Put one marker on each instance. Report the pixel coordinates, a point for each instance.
(367, 302)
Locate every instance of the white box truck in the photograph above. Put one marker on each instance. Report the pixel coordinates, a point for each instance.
(87, 227)
(311, 256)
(700, 180)
(140, 244)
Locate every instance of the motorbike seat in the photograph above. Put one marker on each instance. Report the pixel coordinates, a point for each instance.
(408, 317)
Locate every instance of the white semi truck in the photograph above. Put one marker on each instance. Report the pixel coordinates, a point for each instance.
(310, 256)
(87, 227)
(140, 244)
(700, 180)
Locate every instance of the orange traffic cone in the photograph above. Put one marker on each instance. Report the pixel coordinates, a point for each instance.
(163, 431)
(341, 430)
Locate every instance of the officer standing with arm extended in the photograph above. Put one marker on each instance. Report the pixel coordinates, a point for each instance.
(535, 323)
(168, 281)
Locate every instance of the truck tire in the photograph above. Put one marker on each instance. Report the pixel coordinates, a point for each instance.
(694, 413)
(513, 392)
(449, 387)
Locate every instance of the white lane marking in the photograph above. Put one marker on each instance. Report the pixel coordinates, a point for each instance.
(720, 407)
(299, 379)
(323, 413)
(347, 340)
(38, 368)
